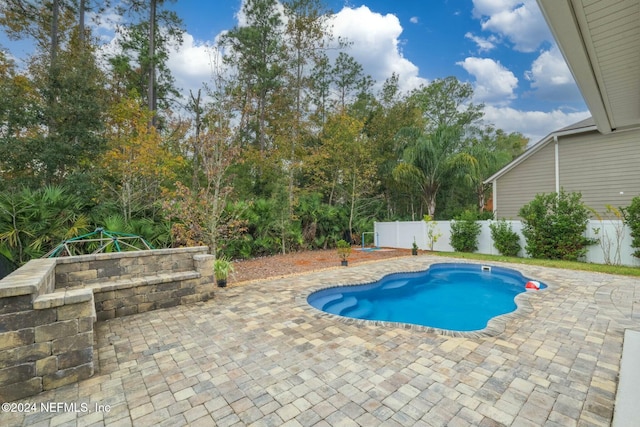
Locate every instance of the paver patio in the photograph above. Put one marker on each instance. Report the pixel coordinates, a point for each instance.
(258, 355)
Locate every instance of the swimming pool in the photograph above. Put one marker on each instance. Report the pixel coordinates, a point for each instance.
(450, 296)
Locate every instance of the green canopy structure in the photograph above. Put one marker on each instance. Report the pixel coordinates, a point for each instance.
(100, 240)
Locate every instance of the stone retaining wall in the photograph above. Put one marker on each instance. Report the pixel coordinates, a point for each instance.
(48, 308)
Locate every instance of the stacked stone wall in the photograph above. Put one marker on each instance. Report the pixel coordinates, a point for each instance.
(48, 308)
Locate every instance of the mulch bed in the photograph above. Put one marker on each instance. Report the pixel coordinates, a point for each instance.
(301, 262)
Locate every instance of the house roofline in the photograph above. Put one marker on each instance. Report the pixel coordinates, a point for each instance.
(537, 147)
(564, 22)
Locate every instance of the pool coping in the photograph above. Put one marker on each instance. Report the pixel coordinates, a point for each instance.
(495, 326)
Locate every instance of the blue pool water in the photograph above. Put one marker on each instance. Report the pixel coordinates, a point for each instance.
(458, 297)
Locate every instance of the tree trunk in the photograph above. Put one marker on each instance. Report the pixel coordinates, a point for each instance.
(152, 63)
(353, 206)
(54, 30)
(196, 140)
(431, 204)
(81, 22)
(481, 199)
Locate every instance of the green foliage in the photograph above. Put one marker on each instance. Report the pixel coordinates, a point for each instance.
(430, 158)
(222, 267)
(504, 238)
(631, 216)
(554, 226)
(464, 232)
(344, 249)
(298, 134)
(321, 223)
(432, 234)
(32, 222)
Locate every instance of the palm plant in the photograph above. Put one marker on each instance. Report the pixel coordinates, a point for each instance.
(429, 158)
(488, 160)
(32, 222)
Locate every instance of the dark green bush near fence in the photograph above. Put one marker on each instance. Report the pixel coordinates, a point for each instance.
(554, 226)
(504, 238)
(464, 232)
(631, 215)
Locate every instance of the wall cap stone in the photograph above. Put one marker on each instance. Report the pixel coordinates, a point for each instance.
(28, 279)
(130, 254)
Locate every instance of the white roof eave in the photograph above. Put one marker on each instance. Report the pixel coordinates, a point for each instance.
(562, 21)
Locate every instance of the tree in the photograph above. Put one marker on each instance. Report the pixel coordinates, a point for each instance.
(344, 164)
(349, 79)
(142, 62)
(392, 113)
(320, 85)
(37, 20)
(19, 116)
(256, 51)
(445, 103)
(74, 108)
(64, 104)
(136, 164)
(429, 159)
(306, 34)
(489, 158)
(200, 210)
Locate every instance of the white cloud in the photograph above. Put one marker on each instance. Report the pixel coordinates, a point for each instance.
(490, 7)
(375, 44)
(484, 44)
(191, 64)
(521, 22)
(533, 124)
(414, 20)
(494, 83)
(551, 78)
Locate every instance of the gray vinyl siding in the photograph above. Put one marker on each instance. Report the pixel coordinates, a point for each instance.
(600, 167)
(520, 185)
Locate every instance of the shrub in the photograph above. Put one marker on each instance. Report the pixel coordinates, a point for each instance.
(554, 226)
(432, 234)
(464, 232)
(504, 238)
(610, 239)
(631, 216)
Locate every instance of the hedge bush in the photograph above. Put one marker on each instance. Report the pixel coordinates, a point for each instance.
(554, 226)
(504, 238)
(464, 232)
(631, 215)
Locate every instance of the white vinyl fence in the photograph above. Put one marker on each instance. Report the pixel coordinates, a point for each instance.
(614, 239)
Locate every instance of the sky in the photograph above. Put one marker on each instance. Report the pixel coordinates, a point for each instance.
(502, 47)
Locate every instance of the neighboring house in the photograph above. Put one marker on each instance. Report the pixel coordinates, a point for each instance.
(600, 40)
(604, 168)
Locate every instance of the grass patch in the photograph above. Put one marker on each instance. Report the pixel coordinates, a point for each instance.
(569, 265)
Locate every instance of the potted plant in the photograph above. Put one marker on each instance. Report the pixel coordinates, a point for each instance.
(344, 250)
(414, 248)
(222, 267)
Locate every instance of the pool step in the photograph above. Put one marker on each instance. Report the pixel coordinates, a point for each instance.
(360, 311)
(395, 284)
(338, 307)
(323, 301)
